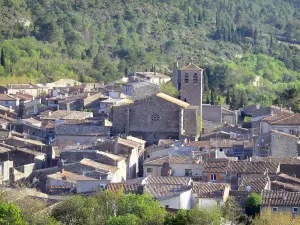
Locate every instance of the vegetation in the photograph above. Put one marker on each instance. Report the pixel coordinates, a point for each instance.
(90, 40)
(253, 203)
(267, 217)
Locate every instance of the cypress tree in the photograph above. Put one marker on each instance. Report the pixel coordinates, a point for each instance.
(228, 98)
(3, 58)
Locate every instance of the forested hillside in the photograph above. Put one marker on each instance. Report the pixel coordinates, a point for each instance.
(43, 40)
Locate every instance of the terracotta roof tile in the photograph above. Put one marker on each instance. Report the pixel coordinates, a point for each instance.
(289, 120)
(209, 190)
(97, 165)
(127, 188)
(68, 176)
(168, 180)
(172, 159)
(162, 191)
(279, 116)
(5, 97)
(280, 198)
(257, 183)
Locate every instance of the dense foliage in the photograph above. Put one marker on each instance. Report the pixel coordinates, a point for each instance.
(92, 40)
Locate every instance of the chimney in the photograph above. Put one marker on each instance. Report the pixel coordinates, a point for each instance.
(290, 108)
(280, 107)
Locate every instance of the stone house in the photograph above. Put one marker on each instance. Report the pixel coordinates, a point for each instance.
(177, 165)
(270, 123)
(281, 201)
(206, 194)
(284, 145)
(107, 104)
(9, 101)
(153, 77)
(227, 171)
(157, 117)
(29, 89)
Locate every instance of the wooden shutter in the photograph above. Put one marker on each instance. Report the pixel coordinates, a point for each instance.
(218, 177)
(208, 177)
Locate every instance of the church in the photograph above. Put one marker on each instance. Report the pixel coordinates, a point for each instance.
(161, 116)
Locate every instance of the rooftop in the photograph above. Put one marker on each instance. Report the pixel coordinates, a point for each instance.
(152, 75)
(293, 119)
(68, 176)
(163, 191)
(191, 67)
(266, 111)
(209, 190)
(172, 159)
(257, 183)
(128, 143)
(81, 129)
(97, 165)
(21, 86)
(112, 156)
(280, 198)
(227, 112)
(127, 188)
(173, 100)
(243, 167)
(279, 116)
(6, 97)
(168, 180)
(68, 115)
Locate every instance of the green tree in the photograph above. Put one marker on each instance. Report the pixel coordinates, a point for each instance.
(10, 214)
(253, 203)
(232, 211)
(169, 89)
(124, 220)
(3, 63)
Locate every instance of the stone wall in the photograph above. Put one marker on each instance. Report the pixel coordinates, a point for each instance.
(283, 145)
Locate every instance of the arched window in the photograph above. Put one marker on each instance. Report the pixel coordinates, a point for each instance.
(195, 78)
(186, 78)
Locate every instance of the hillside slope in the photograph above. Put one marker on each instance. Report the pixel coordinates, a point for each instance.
(103, 39)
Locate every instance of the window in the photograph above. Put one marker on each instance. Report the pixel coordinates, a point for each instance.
(188, 172)
(295, 210)
(6, 102)
(195, 78)
(213, 177)
(274, 209)
(149, 170)
(166, 206)
(186, 78)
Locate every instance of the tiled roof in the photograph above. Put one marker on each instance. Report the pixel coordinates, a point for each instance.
(243, 167)
(127, 188)
(293, 119)
(278, 186)
(29, 141)
(218, 166)
(191, 67)
(97, 165)
(6, 97)
(128, 143)
(29, 151)
(81, 129)
(23, 96)
(68, 115)
(112, 156)
(277, 160)
(68, 176)
(257, 183)
(172, 159)
(173, 100)
(153, 75)
(141, 141)
(162, 192)
(280, 198)
(168, 180)
(279, 116)
(209, 190)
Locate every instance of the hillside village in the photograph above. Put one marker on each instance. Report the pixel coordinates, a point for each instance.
(67, 137)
